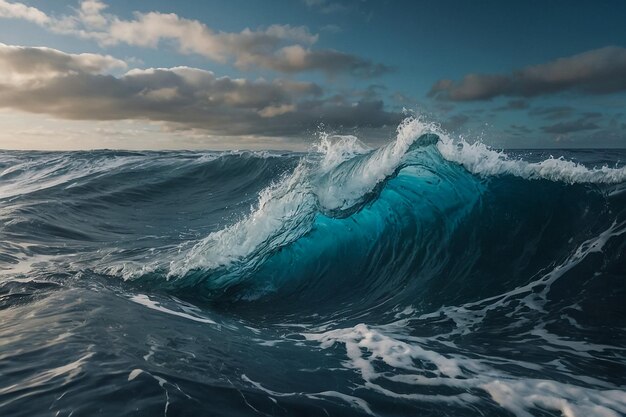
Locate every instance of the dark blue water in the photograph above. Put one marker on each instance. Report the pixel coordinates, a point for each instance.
(423, 278)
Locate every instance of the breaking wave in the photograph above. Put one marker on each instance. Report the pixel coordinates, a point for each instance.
(426, 273)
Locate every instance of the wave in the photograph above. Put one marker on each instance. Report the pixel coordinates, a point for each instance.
(422, 189)
(384, 223)
(436, 274)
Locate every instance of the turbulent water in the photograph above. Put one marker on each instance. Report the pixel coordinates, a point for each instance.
(428, 277)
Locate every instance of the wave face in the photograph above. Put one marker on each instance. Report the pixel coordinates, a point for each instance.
(427, 277)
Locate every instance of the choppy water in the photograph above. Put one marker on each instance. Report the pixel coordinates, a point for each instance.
(427, 277)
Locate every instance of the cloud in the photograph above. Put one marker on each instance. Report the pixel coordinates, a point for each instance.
(292, 59)
(25, 63)
(79, 87)
(282, 48)
(192, 36)
(599, 71)
(22, 11)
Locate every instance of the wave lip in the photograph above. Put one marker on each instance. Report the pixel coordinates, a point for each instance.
(479, 159)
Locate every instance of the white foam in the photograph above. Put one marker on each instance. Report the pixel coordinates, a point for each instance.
(393, 352)
(286, 210)
(284, 213)
(69, 371)
(337, 149)
(144, 300)
(344, 188)
(353, 401)
(163, 383)
(479, 159)
(532, 296)
(521, 396)
(134, 374)
(414, 364)
(417, 362)
(56, 170)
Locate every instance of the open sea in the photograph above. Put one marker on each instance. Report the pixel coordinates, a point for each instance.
(427, 277)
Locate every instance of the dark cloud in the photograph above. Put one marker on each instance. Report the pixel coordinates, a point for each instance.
(599, 71)
(43, 62)
(295, 58)
(189, 97)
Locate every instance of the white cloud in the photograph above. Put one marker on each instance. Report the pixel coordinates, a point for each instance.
(273, 111)
(20, 64)
(282, 48)
(22, 11)
(91, 13)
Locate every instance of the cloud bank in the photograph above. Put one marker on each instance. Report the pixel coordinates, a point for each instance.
(80, 87)
(599, 71)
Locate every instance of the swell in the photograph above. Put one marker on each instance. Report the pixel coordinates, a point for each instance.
(428, 276)
(424, 220)
(83, 200)
(435, 246)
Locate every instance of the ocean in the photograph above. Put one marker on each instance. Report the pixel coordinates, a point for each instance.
(425, 277)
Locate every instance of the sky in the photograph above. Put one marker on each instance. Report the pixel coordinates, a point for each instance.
(273, 74)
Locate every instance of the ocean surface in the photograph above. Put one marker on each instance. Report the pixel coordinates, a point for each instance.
(427, 277)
